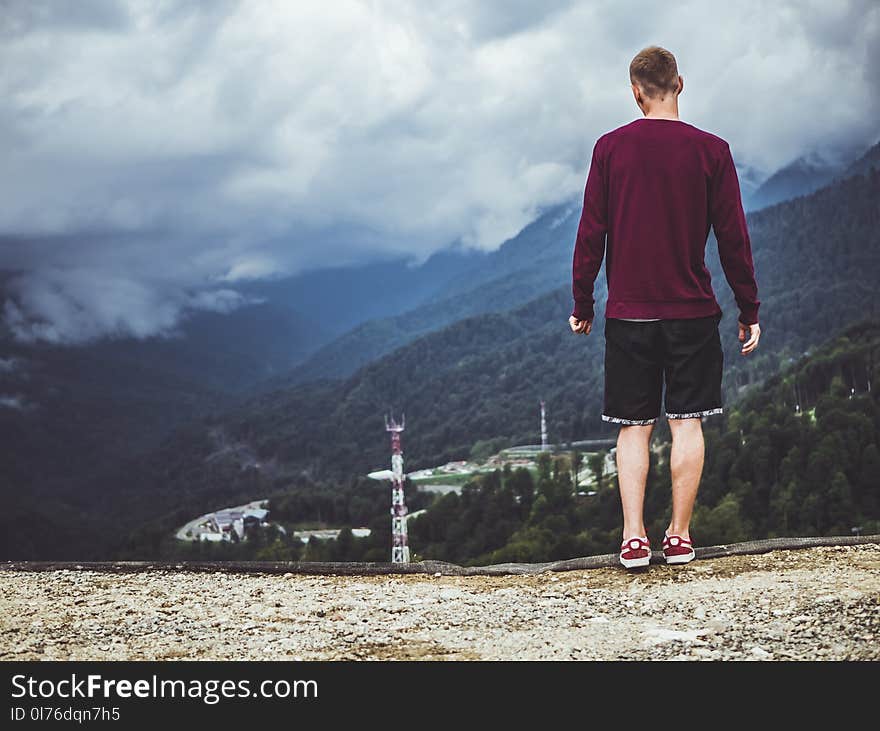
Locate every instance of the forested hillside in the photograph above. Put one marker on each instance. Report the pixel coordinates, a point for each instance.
(798, 456)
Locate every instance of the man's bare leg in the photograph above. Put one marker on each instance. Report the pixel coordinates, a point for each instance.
(686, 466)
(633, 442)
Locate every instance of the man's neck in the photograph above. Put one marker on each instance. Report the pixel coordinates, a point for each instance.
(663, 115)
(661, 111)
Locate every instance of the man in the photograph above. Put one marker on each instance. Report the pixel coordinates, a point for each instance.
(654, 188)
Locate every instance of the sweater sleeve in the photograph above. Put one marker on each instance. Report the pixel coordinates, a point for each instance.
(734, 246)
(589, 247)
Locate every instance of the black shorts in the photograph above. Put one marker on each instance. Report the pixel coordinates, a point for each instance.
(639, 356)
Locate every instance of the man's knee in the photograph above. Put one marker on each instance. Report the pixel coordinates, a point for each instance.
(635, 430)
(690, 425)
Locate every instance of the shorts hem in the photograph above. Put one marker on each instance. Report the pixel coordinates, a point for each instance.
(628, 422)
(695, 414)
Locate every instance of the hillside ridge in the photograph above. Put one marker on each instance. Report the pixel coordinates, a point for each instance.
(817, 603)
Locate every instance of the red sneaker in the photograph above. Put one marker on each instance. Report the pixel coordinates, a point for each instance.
(635, 552)
(677, 549)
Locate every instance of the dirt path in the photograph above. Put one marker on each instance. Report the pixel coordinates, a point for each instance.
(820, 603)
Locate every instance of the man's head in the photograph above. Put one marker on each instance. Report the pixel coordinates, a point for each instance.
(655, 80)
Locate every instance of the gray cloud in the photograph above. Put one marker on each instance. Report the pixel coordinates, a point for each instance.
(16, 403)
(21, 16)
(7, 365)
(158, 151)
(79, 305)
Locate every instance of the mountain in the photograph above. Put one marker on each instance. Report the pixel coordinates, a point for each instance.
(335, 298)
(286, 319)
(533, 262)
(69, 411)
(480, 378)
(864, 164)
(750, 179)
(482, 374)
(800, 177)
(807, 174)
(65, 415)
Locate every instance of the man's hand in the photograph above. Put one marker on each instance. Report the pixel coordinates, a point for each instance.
(750, 334)
(580, 326)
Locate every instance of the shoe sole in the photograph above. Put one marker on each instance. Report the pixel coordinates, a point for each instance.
(635, 563)
(680, 559)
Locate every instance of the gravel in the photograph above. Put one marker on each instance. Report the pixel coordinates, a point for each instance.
(819, 603)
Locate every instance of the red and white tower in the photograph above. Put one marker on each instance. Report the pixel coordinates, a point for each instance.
(399, 544)
(544, 445)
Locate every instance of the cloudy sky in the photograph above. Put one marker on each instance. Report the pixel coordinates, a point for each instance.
(155, 153)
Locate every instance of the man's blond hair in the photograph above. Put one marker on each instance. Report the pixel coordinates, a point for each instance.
(654, 70)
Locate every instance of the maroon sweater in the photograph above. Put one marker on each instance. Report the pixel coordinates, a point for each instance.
(655, 187)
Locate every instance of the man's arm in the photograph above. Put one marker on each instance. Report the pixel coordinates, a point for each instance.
(589, 247)
(734, 246)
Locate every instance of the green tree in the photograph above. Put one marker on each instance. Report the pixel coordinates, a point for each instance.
(721, 524)
(543, 461)
(343, 547)
(597, 464)
(840, 516)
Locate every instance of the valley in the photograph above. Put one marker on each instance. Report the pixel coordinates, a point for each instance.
(128, 445)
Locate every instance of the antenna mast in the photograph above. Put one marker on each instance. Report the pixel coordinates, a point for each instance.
(399, 542)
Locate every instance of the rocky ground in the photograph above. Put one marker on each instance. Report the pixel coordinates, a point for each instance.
(819, 603)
